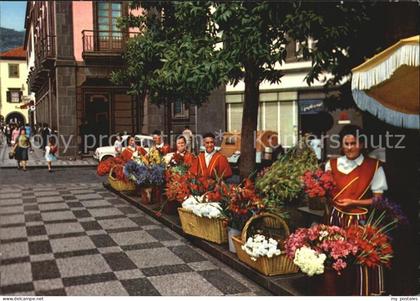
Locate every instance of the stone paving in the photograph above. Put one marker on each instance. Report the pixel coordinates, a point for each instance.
(80, 239)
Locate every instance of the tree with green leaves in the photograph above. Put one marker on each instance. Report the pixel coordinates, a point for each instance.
(176, 56)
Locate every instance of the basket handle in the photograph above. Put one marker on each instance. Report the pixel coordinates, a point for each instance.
(248, 223)
(110, 173)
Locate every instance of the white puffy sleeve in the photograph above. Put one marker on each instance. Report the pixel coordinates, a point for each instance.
(379, 184)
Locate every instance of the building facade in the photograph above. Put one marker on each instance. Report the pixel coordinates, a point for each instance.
(73, 46)
(291, 107)
(13, 87)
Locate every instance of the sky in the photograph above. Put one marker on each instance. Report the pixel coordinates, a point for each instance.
(12, 14)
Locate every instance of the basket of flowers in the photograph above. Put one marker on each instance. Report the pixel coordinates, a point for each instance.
(118, 181)
(242, 202)
(148, 176)
(113, 167)
(318, 186)
(260, 245)
(201, 214)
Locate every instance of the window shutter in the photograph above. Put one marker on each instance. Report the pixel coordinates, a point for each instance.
(9, 96)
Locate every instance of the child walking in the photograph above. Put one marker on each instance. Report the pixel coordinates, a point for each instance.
(50, 152)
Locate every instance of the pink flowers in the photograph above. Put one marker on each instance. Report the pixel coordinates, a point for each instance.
(329, 240)
(318, 183)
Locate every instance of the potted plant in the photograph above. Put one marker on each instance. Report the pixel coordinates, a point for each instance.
(282, 180)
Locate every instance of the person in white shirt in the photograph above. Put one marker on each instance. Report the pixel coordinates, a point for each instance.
(118, 144)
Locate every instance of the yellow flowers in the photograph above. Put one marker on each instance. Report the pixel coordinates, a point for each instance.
(152, 157)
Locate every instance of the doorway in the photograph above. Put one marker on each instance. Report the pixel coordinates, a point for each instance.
(97, 115)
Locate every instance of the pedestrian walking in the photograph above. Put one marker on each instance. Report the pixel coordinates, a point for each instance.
(14, 136)
(21, 148)
(8, 133)
(51, 152)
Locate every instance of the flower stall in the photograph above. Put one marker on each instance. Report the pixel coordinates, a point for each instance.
(250, 218)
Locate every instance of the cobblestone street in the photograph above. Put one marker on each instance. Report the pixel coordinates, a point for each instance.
(64, 234)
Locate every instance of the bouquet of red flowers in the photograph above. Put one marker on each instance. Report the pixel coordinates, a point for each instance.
(177, 186)
(318, 186)
(314, 248)
(180, 186)
(374, 247)
(117, 166)
(242, 202)
(318, 183)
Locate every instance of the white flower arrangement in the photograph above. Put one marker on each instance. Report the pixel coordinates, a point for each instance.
(199, 206)
(258, 246)
(309, 261)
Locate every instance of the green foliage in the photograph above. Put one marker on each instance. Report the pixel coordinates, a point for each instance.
(174, 58)
(178, 54)
(282, 182)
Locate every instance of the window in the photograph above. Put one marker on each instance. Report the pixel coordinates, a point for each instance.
(14, 95)
(13, 70)
(107, 14)
(179, 110)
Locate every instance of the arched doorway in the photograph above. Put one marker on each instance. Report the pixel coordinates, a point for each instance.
(15, 117)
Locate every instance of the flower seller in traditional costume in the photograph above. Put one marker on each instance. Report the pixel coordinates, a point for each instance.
(211, 163)
(132, 150)
(181, 154)
(159, 144)
(358, 178)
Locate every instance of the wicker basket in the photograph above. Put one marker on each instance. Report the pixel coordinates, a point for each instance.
(275, 265)
(211, 229)
(119, 185)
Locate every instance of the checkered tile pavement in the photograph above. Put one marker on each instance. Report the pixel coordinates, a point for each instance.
(80, 239)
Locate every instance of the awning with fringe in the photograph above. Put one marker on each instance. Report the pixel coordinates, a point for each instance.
(387, 85)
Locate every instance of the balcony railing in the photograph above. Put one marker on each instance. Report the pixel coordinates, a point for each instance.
(96, 41)
(45, 50)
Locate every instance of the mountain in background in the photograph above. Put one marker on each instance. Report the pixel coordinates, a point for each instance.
(10, 38)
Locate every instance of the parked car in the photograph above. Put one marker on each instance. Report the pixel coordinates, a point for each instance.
(104, 152)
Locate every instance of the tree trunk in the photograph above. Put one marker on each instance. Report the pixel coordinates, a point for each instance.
(249, 121)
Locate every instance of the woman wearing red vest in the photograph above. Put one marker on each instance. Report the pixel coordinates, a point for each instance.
(132, 149)
(210, 163)
(358, 179)
(181, 149)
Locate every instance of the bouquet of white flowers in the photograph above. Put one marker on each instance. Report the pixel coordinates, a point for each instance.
(258, 246)
(309, 261)
(201, 208)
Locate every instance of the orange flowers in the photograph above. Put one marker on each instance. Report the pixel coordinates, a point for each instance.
(117, 164)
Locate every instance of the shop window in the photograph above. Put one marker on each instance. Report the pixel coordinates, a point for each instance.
(14, 95)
